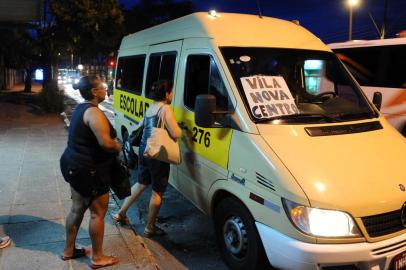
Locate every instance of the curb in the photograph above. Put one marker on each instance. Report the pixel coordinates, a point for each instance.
(148, 261)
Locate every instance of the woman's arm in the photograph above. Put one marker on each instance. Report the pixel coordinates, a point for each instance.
(97, 122)
(170, 122)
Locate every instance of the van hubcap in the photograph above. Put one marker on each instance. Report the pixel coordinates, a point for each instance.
(235, 236)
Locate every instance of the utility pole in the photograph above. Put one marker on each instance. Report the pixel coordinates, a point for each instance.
(259, 9)
(385, 18)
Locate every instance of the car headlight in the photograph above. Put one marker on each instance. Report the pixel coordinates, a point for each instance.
(321, 222)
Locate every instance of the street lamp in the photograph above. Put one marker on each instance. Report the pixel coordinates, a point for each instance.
(351, 4)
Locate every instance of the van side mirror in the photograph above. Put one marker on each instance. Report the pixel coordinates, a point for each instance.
(205, 106)
(206, 113)
(377, 100)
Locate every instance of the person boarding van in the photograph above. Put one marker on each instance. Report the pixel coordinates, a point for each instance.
(280, 147)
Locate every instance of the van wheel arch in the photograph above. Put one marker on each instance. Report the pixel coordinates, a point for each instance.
(244, 249)
(219, 196)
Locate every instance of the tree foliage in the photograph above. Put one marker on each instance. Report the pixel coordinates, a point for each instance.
(17, 47)
(89, 27)
(20, 50)
(152, 12)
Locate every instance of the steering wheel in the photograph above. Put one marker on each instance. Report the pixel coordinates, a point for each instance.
(324, 95)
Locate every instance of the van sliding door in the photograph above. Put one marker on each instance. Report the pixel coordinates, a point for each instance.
(162, 64)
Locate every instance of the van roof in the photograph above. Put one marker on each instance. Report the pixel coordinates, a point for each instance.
(229, 29)
(368, 43)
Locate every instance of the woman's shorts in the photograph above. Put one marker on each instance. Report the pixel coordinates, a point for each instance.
(155, 172)
(88, 182)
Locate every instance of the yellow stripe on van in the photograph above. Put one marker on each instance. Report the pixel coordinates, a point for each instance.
(131, 105)
(210, 143)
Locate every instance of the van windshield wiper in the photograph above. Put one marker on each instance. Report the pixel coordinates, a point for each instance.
(326, 117)
(356, 115)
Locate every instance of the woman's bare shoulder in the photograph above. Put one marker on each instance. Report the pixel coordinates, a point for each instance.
(92, 113)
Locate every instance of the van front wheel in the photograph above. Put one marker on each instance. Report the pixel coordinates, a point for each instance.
(237, 237)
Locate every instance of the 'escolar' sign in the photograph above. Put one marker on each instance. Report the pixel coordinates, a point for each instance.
(132, 105)
(268, 96)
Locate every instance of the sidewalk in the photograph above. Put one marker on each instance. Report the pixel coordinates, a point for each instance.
(19, 88)
(34, 199)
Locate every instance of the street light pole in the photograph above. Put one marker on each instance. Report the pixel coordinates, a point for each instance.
(350, 25)
(351, 5)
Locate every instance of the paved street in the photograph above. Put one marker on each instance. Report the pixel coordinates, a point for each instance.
(34, 198)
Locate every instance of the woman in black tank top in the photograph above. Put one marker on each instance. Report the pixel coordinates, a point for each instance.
(85, 164)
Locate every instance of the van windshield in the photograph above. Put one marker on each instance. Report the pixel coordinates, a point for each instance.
(295, 86)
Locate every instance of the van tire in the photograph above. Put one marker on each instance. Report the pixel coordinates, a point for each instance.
(243, 250)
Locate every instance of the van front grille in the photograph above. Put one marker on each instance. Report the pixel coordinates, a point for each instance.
(383, 224)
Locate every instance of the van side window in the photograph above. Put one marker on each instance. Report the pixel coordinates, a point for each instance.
(203, 77)
(130, 73)
(161, 66)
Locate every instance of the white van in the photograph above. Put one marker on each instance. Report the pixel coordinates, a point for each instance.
(379, 65)
(280, 146)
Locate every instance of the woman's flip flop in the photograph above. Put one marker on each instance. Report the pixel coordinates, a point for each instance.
(4, 242)
(156, 231)
(123, 220)
(113, 261)
(77, 253)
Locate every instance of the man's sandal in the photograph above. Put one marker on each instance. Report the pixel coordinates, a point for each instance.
(113, 260)
(156, 231)
(77, 253)
(123, 220)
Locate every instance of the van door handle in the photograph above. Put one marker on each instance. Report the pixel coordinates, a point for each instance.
(182, 125)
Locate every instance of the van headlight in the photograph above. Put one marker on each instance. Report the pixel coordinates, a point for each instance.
(321, 222)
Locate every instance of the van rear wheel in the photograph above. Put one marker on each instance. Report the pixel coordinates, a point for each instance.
(237, 237)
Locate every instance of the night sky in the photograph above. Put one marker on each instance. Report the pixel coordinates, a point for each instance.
(328, 19)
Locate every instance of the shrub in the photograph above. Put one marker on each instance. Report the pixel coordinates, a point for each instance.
(51, 98)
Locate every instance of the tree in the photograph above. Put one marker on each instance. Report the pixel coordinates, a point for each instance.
(19, 49)
(89, 28)
(152, 12)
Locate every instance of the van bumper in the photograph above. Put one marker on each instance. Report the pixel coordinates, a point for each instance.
(284, 252)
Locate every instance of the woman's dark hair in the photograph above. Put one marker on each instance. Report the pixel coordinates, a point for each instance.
(85, 86)
(159, 90)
